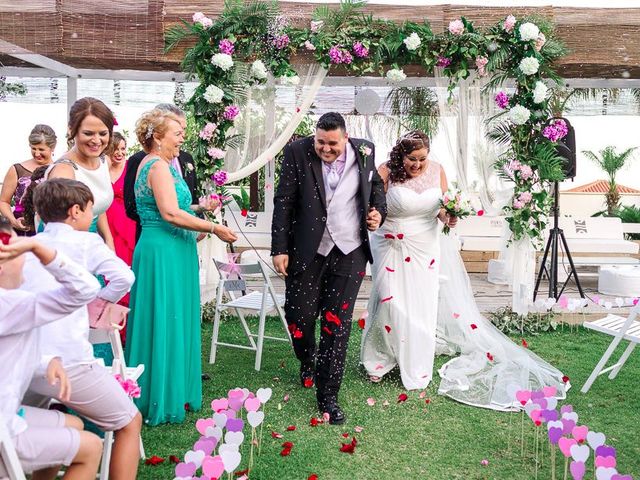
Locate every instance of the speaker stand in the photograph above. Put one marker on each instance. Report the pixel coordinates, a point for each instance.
(555, 235)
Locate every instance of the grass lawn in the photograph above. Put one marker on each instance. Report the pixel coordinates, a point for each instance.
(410, 440)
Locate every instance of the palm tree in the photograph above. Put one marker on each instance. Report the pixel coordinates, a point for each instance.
(611, 162)
(416, 108)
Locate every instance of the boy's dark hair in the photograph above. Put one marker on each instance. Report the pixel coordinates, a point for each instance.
(27, 199)
(5, 225)
(331, 121)
(53, 198)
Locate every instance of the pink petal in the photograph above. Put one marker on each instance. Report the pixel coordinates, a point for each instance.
(371, 401)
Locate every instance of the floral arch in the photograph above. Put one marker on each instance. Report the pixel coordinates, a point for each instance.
(251, 42)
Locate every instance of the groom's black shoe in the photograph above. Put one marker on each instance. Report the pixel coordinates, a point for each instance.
(307, 377)
(330, 405)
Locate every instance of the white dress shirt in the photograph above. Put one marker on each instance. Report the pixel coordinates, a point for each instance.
(69, 338)
(21, 313)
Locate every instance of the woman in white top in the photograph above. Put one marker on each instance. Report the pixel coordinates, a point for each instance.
(90, 130)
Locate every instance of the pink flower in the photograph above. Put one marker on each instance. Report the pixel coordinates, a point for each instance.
(281, 41)
(443, 62)
(517, 204)
(481, 62)
(216, 153)
(207, 132)
(131, 387)
(456, 27)
(231, 112)
(219, 178)
(339, 55)
(509, 23)
(526, 172)
(540, 41)
(309, 46)
(226, 46)
(557, 130)
(360, 50)
(525, 197)
(367, 150)
(502, 100)
(206, 22)
(197, 17)
(484, 462)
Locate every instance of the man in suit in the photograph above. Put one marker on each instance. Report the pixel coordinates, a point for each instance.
(183, 164)
(329, 196)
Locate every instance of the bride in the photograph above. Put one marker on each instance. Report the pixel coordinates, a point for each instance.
(411, 318)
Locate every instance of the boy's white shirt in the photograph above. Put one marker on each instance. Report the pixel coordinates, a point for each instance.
(69, 338)
(22, 315)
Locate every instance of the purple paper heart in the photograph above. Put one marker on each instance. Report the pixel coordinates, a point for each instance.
(185, 469)
(229, 413)
(605, 451)
(542, 402)
(567, 426)
(206, 445)
(617, 476)
(566, 409)
(235, 404)
(538, 394)
(577, 470)
(554, 435)
(235, 425)
(550, 415)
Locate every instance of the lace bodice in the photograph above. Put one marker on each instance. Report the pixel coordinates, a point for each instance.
(146, 202)
(430, 178)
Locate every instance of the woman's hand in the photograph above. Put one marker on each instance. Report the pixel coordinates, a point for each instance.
(224, 233)
(18, 224)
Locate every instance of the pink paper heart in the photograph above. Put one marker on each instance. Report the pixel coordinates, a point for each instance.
(577, 470)
(606, 462)
(236, 393)
(523, 396)
(235, 404)
(203, 423)
(219, 404)
(213, 467)
(550, 391)
(536, 416)
(580, 433)
(252, 404)
(565, 445)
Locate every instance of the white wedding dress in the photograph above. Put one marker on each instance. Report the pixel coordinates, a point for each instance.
(424, 318)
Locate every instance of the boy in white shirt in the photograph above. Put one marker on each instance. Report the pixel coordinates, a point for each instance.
(43, 439)
(66, 207)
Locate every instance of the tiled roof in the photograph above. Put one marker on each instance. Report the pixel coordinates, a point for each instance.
(601, 186)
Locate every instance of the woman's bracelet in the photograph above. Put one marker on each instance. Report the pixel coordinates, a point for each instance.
(213, 228)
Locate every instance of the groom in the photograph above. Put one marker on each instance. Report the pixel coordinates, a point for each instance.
(329, 196)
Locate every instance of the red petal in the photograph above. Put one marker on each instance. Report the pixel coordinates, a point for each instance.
(276, 435)
(490, 357)
(326, 329)
(524, 343)
(297, 109)
(287, 445)
(480, 213)
(308, 382)
(292, 327)
(241, 472)
(387, 328)
(332, 318)
(433, 260)
(389, 235)
(297, 334)
(285, 452)
(345, 435)
(291, 428)
(312, 477)
(345, 306)
(361, 323)
(389, 269)
(386, 299)
(473, 326)
(408, 259)
(243, 212)
(565, 379)
(174, 459)
(427, 401)
(313, 422)
(155, 460)
(402, 397)
(347, 448)
(187, 407)
(400, 236)
(362, 274)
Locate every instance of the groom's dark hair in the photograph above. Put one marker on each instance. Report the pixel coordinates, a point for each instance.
(331, 121)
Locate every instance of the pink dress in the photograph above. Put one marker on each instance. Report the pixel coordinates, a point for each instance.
(122, 227)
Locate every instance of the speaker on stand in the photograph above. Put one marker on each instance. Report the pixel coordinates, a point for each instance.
(566, 148)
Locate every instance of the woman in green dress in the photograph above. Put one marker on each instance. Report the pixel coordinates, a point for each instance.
(164, 324)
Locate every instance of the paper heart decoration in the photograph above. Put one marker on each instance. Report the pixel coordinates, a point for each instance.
(617, 476)
(541, 402)
(580, 433)
(550, 391)
(570, 416)
(234, 438)
(577, 470)
(619, 301)
(213, 432)
(213, 467)
(246, 393)
(554, 424)
(580, 453)
(264, 394)
(230, 460)
(255, 418)
(552, 403)
(204, 423)
(567, 426)
(555, 434)
(537, 394)
(523, 396)
(530, 407)
(236, 393)
(186, 469)
(194, 457)
(606, 462)
(608, 306)
(566, 409)
(235, 404)
(565, 445)
(219, 404)
(605, 473)
(235, 425)
(227, 447)
(596, 439)
(535, 417)
(231, 413)
(206, 445)
(605, 451)
(252, 404)
(550, 415)
(220, 419)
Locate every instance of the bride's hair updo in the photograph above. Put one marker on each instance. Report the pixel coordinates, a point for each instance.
(409, 142)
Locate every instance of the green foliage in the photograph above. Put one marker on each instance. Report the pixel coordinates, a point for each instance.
(243, 200)
(611, 162)
(417, 108)
(510, 323)
(15, 88)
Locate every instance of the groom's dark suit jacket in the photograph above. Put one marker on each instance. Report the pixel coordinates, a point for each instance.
(300, 209)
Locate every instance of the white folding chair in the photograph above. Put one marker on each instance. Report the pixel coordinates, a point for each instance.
(119, 366)
(620, 329)
(8, 456)
(262, 301)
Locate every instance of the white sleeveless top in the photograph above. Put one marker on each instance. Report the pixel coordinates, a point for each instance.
(98, 181)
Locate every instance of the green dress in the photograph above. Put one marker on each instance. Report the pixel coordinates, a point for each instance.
(163, 331)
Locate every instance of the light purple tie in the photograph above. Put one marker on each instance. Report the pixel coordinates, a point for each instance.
(333, 177)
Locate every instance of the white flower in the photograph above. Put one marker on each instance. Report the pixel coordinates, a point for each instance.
(413, 41)
(258, 70)
(456, 27)
(213, 94)
(519, 115)
(396, 75)
(316, 25)
(540, 92)
(222, 60)
(293, 80)
(529, 65)
(309, 46)
(197, 17)
(206, 22)
(528, 31)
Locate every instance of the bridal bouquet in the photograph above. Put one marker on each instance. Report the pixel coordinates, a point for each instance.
(456, 205)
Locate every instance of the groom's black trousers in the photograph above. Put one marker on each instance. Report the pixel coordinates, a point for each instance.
(328, 285)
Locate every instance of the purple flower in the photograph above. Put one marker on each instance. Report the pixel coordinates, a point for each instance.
(219, 178)
(231, 112)
(281, 41)
(360, 50)
(443, 62)
(226, 46)
(556, 130)
(335, 54)
(502, 100)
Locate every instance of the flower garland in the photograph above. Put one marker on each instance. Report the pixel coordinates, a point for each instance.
(249, 42)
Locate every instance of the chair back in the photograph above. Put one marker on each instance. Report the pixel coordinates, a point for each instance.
(9, 462)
